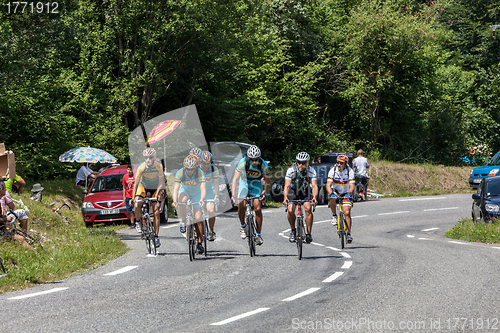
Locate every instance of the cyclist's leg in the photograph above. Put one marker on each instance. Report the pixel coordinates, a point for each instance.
(309, 216)
(255, 188)
(242, 192)
(291, 209)
(181, 210)
(156, 214)
(141, 193)
(346, 208)
(198, 216)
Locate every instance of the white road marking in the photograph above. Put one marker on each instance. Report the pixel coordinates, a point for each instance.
(495, 247)
(425, 239)
(318, 244)
(39, 293)
(402, 212)
(229, 320)
(122, 270)
(410, 236)
(170, 226)
(345, 254)
(318, 222)
(333, 277)
(434, 209)
(457, 242)
(353, 217)
(346, 265)
(419, 199)
(430, 229)
(332, 248)
(304, 293)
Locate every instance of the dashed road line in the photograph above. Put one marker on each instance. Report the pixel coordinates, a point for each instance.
(434, 209)
(333, 277)
(121, 270)
(402, 212)
(302, 294)
(39, 293)
(410, 236)
(345, 254)
(244, 315)
(420, 199)
(347, 264)
(430, 229)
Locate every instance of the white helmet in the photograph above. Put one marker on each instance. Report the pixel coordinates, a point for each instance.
(190, 162)
(196, 151)
(253, 152)
(303, 157)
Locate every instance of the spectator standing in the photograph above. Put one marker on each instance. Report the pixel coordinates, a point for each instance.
(128, 189)
(361, 165)
(15, 185)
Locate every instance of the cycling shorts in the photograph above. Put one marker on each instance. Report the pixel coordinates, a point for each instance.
(345, 201)
(250, 188)
(299, 195)
(195, 197)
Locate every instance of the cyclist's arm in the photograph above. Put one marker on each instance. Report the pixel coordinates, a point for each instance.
(286, 188)
(351, 188)
(265, 184)
(175, 195)
(328, 186)
(203, 189)
(138, 179)
(236, 176)
(314, 184)
(216, 187)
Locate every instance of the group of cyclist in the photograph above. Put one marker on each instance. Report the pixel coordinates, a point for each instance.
(198, 180)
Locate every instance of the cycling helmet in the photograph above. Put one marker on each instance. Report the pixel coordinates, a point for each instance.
(195, 151)
(302, 157)
(253, 152)
(149, 152)
(206, 157)
(343, 158)
(190, 162)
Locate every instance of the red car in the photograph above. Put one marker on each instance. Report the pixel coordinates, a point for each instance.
(104, 201)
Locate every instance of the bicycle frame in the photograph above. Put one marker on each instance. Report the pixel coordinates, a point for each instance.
(206, 217)
(300, 226)
(341, 225)
(11, 228)
(148, 233)
(190, 229)
(250, 222)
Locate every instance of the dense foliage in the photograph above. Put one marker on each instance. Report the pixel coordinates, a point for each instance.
(407, 81)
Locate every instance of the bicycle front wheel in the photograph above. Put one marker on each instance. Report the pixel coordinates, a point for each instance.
(251, 236)
(191, 241)
(341, 229)
(29, 239)
(205, 236)
(299, 237)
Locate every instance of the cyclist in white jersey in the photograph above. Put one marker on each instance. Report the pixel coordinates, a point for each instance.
(341, 178)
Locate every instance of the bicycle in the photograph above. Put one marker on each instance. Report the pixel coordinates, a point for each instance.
(148, 233)
(10, 229)
(205, 222)
(65, 218)
(191, 236)
(300, 227)
(360, 189)
(250, 223)
(341, 225)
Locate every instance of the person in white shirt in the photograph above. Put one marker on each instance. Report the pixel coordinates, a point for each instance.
(83, 173)
(361, 165)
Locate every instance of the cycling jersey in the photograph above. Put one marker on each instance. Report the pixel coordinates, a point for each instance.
(150, 177)
(341, 180)
(210, 176)
(253, 173)
(299, 179)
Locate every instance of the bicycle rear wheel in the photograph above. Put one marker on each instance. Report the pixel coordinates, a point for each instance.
(299, 239)
(29, 239)
(251, 236)
(151, 232)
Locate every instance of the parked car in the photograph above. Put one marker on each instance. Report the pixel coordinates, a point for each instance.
(104, 201)
(492, 168)
(487, 200)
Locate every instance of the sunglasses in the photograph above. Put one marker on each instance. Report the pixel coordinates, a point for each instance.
(302, 162)
(148, 158)
(340, 163)
(254, 160)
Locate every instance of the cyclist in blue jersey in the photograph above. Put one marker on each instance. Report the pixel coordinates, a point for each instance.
(190, 183)
(253, 175)
(212, 185)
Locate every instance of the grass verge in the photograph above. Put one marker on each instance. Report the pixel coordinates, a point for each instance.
(67, 246)
(481, 232)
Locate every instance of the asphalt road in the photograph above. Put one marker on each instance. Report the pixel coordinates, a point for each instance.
(399, 274)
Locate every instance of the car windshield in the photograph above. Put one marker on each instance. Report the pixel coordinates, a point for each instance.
(322, 170)
(228, 150)
(107, 183)
(492, 189)
(495, 160)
